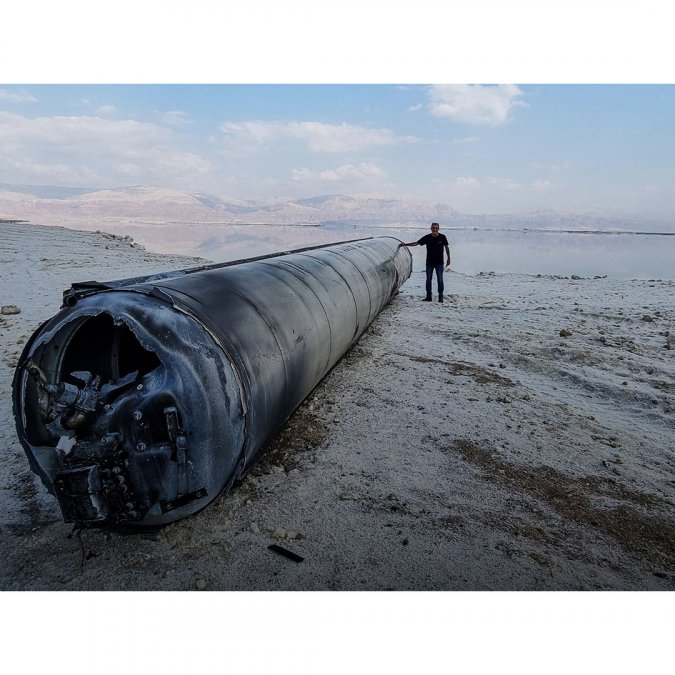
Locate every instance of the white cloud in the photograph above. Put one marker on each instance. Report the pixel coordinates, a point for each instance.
(16, 97)
(175, 118)
(494, 185)
(466, 183)
(319, 137)
(303, 174)
(106, 110)
(504, 183)
(362, 171)
(474, 103)
(92, 151)
(127, 169)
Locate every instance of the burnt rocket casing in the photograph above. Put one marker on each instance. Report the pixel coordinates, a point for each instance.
(143, 399)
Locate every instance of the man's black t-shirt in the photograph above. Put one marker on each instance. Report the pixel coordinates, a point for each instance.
(435, 247)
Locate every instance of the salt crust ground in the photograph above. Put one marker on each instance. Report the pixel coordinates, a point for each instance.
(463, 446)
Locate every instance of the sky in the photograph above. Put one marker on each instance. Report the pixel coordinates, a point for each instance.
(479, 148)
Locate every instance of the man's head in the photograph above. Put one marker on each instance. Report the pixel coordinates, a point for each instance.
(434, 228)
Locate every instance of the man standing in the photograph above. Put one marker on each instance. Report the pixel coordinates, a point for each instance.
(435, 242)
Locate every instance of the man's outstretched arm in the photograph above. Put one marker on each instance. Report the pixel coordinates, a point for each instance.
(412, 243)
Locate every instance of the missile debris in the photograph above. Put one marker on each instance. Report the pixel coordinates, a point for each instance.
(145, 398)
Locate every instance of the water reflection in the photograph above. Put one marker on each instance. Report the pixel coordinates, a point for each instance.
(617, 256)
(624, 256)
(621, 256)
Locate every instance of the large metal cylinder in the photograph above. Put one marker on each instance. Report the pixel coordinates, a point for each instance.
(143, 399)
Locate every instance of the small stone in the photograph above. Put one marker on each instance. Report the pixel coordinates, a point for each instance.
(527, 397)
(502, 365)
(349, 496)
(648, 318)
(565, 333)
(279, 533)
(10, 309)
(200, 585)
(254, 527)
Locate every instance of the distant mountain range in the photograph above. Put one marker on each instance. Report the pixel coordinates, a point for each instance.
(155, 205)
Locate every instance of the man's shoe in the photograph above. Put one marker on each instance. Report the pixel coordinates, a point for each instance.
(440, 298)
(426, 299)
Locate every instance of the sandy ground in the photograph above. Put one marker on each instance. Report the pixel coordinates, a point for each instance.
(463, 446)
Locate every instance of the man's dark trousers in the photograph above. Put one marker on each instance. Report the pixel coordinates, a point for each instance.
(439, 278)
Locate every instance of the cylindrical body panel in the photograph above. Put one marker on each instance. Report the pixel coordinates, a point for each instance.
(144, 398)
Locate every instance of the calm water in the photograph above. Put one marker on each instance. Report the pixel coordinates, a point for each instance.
(623, 256)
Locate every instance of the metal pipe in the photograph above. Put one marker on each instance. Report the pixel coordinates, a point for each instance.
(144, 398)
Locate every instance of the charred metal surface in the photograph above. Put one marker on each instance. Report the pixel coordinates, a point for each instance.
(144, 398)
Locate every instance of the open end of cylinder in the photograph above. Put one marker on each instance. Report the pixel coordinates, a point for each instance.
(113, 416)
